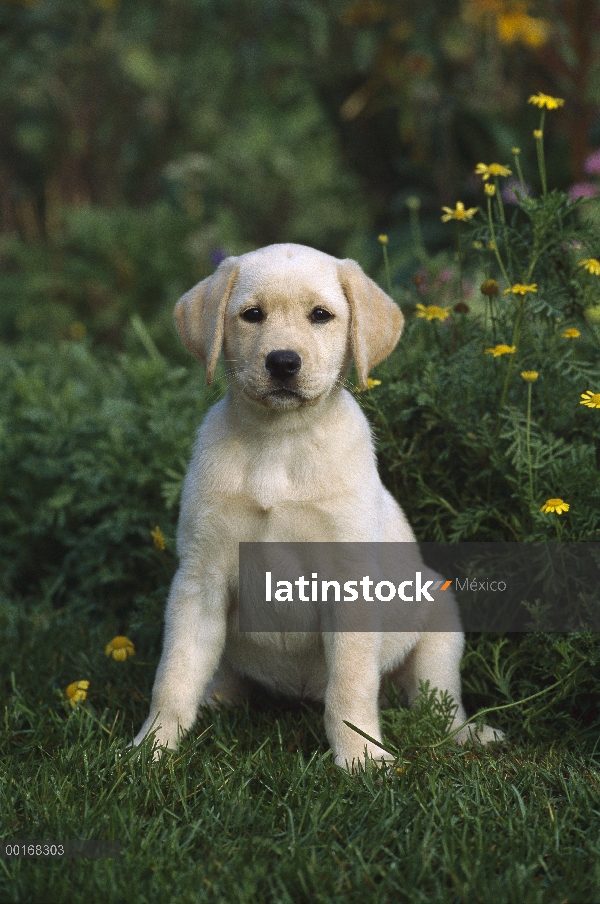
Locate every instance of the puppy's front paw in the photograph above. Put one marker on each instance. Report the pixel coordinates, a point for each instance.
(354, 759)
(486, 735)
(166, 734)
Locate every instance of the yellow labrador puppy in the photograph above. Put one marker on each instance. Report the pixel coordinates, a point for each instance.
(288, 455)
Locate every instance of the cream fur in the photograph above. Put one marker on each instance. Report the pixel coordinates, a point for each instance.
(289, 466)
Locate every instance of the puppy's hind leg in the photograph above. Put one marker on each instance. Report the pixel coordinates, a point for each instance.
(436, 658)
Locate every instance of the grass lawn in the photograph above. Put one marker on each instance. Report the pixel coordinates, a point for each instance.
(251, 807)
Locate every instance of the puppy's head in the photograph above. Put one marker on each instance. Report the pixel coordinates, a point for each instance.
(289, 319)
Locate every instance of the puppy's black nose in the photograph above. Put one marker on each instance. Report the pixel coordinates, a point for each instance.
(283, 364)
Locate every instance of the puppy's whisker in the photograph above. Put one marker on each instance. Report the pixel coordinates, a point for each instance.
(233, 371)
(343, 383)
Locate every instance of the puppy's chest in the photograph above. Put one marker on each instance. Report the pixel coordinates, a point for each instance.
(268, 478)
(273, 496)
(272, 483)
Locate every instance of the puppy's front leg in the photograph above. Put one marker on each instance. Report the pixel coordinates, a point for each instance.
(194, 638)
(352, 695)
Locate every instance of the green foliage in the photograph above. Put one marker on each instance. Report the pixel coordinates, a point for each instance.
(141, 140)
(102, 267)
(145, 142)
(94, 451)
(472, 449)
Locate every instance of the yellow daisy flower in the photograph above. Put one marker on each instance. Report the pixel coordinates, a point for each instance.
(494, 169)
(544, 100)
(158, 537)
(120, 648)
(555, 505)
(519, 289)
(432, 312)
(591, 265)
(571, 333)
(459, 213)
(497, 169)
(76, 692)
(529, 375)
(498, 350)
(383, 239)
(590, 399)
(371, 384)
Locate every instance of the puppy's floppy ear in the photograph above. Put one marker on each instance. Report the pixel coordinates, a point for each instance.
(200, 315)
(376, 321)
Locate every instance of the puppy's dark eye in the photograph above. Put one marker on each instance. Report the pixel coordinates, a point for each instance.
(320, 315)
(253, 315)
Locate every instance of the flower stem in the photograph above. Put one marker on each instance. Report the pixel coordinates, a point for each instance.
(493, 319)
(515, 339)
(539, 143)
(495, 243)
(460, 261)
(528, 440)
(509, 254)
(500, 204)
(520, 174)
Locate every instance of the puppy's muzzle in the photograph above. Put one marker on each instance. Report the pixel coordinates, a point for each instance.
(283, 364)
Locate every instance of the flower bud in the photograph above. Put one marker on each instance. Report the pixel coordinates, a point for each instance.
(490, 288)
